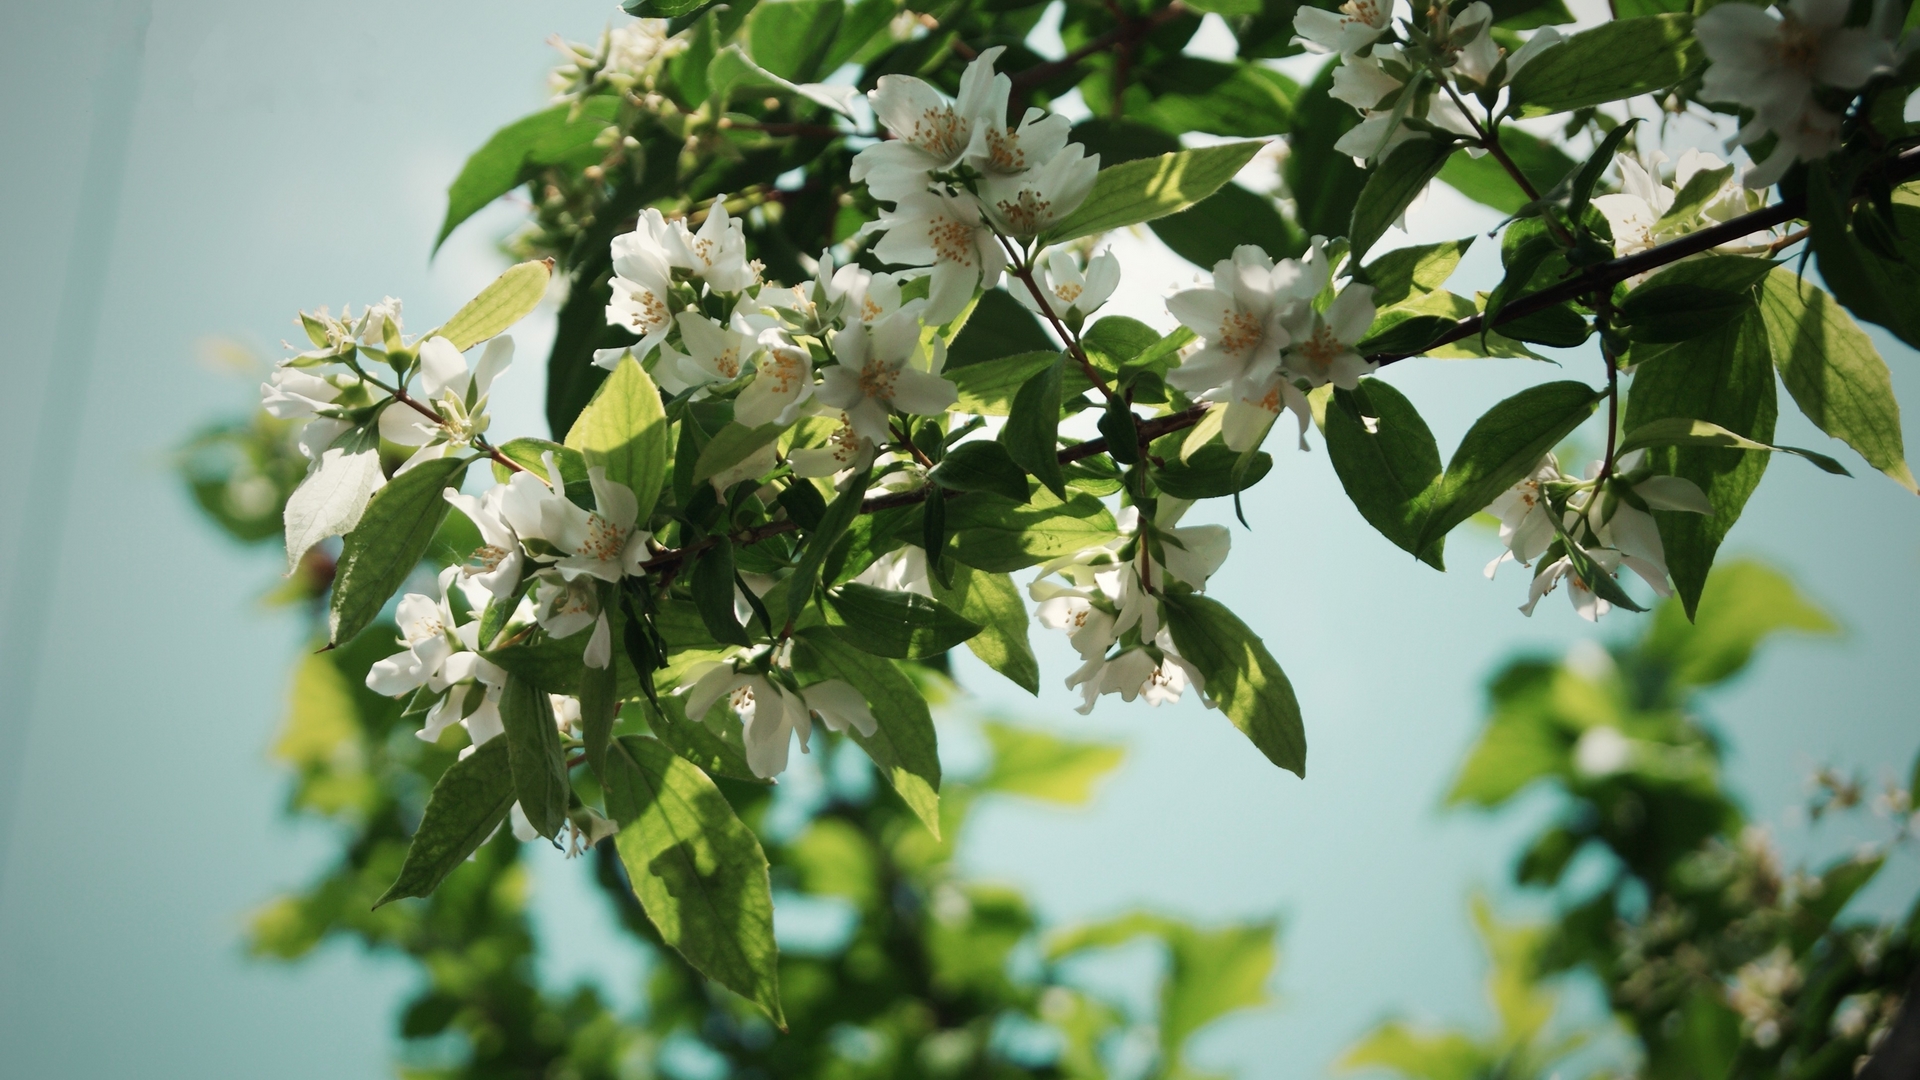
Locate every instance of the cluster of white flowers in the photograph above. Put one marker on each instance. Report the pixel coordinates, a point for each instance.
(1775, 61)
(1376, 76)
(623, 59)
(759, 689)
(1108, 604)
(1267, 339)
(1608, 520)
(1641, 214)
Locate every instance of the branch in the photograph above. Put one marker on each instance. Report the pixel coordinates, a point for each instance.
(1904, 166)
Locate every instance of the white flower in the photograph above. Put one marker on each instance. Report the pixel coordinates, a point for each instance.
(1601, 751)
(782, 384)
(642, 285)
(1068, 293)
(1526, 521)
(903, 569)
(441, 656)
(930, 134)
(1137, 673)
(1364, 81)
(1772, 65)
(1029, 203)
(1088, 628)
(1254, 404)
(1242, 317)
(1478, 61)
(1380, 133)
(565, 606)
(814, 306)
(496, 564)
(1322, 347)
(840, 707)
(846, 450)
(602, 542)
(1356, 25)
(885, 367)
(717, 254)
(1618, 524)
(769, 714)
(291, 393)
(1636, 213)
(458, 395)
(1589, 606)
(715, 353)
(945, 234)
(871, 297)
(998, 150)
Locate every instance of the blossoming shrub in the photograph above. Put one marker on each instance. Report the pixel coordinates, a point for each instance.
(821, 358)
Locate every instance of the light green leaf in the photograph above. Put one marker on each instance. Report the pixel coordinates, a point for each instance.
(1834, 373)
(903, 625)
(697, 870)
(468, 802)
(997, 535)
(1388, 471)
(1724, 378)
(1039, 765)
(1392, 187)
(993, 601)
(1410, 271)
(1150, 188)
(331, 499)
(554, 137)
(388, 542)
(624, 431)
(790, 38)
(988, 388)
(1612, 61)
(904, 747)
(1679, 431)
(538, 762)
(1501, 448)
(1744, 603)
(512, 297)
(1242, 676)
(1445, 1055)
(730, 446)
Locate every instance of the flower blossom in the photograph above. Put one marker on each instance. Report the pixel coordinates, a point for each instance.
(886, 367)
(770, 713)
(1069, 294)
(457, 394)
(442, 656)
(930, 133)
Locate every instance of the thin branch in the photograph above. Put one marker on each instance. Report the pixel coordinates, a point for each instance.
(1019, 269)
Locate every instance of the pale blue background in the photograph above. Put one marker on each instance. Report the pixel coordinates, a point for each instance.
(212, 168)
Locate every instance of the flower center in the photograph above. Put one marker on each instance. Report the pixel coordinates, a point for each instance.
(1799, 46)
(845, 442)
(728, 363)
(784, 369)
(952, 240)
(423, 628)
(1003, 151)
(1239, 332)
(1027, 213)
(877, 379)
(742, 699)
(604, 541)
(1366, 11)
(649, 311)
(940, 132)
(484, 560)
(1068, 292)
(1321, 349)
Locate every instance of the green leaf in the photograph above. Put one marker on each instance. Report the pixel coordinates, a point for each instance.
(330, 500)
(903, 747)
(1325, 182)
(468, 802)
(1559, 327)
(1392, 187)
(1877, 289)
(1834, 373)
(554, 137)
(624, 431)
(981, 465)
(599, 711)
(1724, 378)
(1212, 472)
(1484, 180)
(389, 541)
(999, 536)
(512, 297)
(1241, 676)
(904, 625)
(730, 446)
(697, 870)
(713, 587)
(1501, 448)
(1390, 471)
(806, 573)
(1151, 188)
(1118, 141)
(661, 9)
(1614, 60)
(993, 601)
(1692, 298)
(1220, 98)
(1701, 188)
(791, 38)
(530, 454)
(989, 388)
(1032, 431)
(1410, 271)
(1679, 431)
(1522, 262)
(1580, 194)
(533, 750)
(1743, 604)
(1040, 765)
(1000, 326)
(1209, 230)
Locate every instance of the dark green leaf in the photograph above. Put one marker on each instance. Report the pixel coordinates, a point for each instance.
(1207, 232)
(1120, 141)
(981, 465)
(693, 738)
(730, 446)
(1033, 427)
(806, 574)
(791, 38)
(1242, 676)
(1559, 326)
(1692, 298)
(713, 586)
(1325, 182)
(392, 537)
(1596, 166)
(993, 601)
(999, 536)
(552, 137)
(697, 869)
(599, 710)
(538, 762)
(1392, 187)
(1220, 98)
(1724, 378)
(1209, 473)
(1412, 271)
(1877, 289)
(1389, 471)
(1485, 180)
(903, 625)
(1000, 326)
(1501, 448)
(468, 802)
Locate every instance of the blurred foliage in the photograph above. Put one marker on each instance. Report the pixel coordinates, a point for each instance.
(1717, 963)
